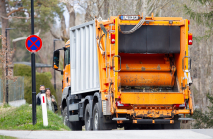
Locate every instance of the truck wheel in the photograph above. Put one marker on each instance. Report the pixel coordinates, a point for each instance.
(101, 123)
(65, 118)
(176, 125)
(96, 118)
(87, 119)
(75, 126)
(172, 126)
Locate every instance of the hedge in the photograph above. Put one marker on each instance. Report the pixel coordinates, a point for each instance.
(41, 79)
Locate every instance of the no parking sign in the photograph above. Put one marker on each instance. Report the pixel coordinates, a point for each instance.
(33, 43)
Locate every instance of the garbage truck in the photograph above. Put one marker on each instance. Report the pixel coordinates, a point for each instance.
(130, 72)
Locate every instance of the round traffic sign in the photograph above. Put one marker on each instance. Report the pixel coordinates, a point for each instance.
(33, 43)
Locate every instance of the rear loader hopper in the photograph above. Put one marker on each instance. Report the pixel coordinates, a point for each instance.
(126, 72)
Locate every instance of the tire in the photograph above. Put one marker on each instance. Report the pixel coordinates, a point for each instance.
(172, 126)
(131, 127)
(65, 118)
(176, 124)
(100, 123)
(96, 118)
(87, 119)
(75, 126)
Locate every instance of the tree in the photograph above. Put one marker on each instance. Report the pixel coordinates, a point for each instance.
(205, 17)
(20, 13)
(3, 13)
(204, 120)
(17, 14)
(106, 8)
(9, 52)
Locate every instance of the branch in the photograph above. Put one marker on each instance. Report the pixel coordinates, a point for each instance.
(24, 38)
(101, 4)
(54, 35)
(161, 6)
(16, 17)
(82, 6)
(13, 11)
(165, 4)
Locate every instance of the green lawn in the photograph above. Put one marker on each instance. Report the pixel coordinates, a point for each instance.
(6, 137)
(20, 118)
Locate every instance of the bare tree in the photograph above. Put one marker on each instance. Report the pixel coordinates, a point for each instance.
(9, 52)
(106, 8)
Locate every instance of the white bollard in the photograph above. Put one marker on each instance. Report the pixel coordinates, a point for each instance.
(44, 109)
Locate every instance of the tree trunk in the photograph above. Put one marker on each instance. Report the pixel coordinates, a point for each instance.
(4, 26)
(160, 12)
(4, 21)
(72, 18)
(71, 11)
(88, 16)
(144, 7)
(106, 9)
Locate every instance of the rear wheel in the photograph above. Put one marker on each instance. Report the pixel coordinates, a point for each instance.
(172, 126)
(176, 124)
(75, 126)
(102, 123)
(96, 118)
(87, 119)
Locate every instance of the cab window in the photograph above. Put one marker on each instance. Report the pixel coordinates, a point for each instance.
(67, 56)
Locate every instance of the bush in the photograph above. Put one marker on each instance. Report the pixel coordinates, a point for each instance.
(49, 75)
(204, 120)
(41, 79)
(21, 70)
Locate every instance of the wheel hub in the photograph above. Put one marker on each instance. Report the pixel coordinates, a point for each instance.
(88, 121)
(96, 120)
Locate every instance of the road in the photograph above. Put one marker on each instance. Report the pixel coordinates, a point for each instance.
(114, 134)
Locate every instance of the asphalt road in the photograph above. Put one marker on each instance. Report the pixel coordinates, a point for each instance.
(114, 134)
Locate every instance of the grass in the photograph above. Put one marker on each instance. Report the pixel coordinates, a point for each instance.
(6, 137)
(20, 118)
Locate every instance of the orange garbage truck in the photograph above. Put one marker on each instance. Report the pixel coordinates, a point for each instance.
(127, 71)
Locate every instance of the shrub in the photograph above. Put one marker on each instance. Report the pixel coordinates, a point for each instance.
(49, 75)
(21, 70)
(204, 120)
(41, 79)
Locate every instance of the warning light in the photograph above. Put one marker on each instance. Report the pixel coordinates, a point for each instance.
(190, 39)
(112, 38)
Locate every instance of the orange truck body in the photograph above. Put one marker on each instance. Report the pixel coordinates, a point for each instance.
(137, 88)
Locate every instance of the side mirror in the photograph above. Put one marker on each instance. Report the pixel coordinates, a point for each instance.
(56, 56)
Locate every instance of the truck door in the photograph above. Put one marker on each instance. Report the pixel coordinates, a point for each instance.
(66, 70)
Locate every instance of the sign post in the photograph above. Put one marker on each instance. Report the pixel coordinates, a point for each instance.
(33, 69)
(33, 44)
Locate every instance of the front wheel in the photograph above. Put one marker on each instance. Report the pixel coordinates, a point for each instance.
(65, 118)
(75, 126)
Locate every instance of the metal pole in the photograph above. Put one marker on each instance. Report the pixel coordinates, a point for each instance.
(54, 72)
(33, 69)
(6, 69)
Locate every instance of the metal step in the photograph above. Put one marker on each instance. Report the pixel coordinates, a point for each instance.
(73, 107)
(120, 119)
(186, 119)
(73, 118)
